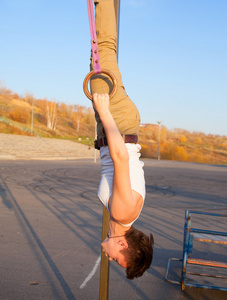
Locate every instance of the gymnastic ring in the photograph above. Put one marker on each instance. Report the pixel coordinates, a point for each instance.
(104, 71)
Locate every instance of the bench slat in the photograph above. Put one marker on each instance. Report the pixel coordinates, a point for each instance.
(206, 263)
(217, 239)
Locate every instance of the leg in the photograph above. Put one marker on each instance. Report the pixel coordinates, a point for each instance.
(123, 110)
(107, 43)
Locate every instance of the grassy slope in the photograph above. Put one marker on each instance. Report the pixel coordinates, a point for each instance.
(15, 118)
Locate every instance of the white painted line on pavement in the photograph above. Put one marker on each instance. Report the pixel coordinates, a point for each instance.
(92, 272)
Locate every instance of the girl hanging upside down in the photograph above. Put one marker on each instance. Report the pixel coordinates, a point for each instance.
(122, 185)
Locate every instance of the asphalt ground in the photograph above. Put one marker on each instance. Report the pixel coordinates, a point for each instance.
(51, 222)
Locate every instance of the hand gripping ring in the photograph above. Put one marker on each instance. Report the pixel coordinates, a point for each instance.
(103, 71)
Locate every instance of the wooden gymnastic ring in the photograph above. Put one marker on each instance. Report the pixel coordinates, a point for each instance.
(104, 71)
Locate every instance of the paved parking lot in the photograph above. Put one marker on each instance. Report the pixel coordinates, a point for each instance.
(50, 228)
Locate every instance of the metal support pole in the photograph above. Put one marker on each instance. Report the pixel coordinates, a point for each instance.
(117, 13)
(105, 264)
(104, 269)
(159, 136)
(32, 116)
(95, 153)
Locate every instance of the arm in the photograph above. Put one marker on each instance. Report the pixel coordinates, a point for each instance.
(116, 144)
(124, 204)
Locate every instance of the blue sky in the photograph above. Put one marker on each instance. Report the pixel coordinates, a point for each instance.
(172, 55)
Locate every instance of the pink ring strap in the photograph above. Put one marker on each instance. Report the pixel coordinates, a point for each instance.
(94, 43)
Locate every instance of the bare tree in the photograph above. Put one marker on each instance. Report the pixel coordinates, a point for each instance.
(79, 110)
(51, 115)
(29, 98)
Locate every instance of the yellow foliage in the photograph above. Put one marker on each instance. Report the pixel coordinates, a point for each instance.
(162, 134)
(183, 138)
(20, 115)
(198, 140)
(21, 104)
(181, 154)
(149, 150)
(76, 120)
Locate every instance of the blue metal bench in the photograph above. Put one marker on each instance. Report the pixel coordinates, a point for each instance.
(201, 235)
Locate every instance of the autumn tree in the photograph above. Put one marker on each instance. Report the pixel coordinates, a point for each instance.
(51, 115)
(77, 115)
(29, 98)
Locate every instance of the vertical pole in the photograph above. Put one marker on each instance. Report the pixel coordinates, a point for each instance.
(159, 136)
(32, 116)
(95, 153)
(105, 264)
(117, 13)
(104, 269)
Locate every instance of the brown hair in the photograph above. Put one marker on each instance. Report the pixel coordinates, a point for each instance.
(139, 253)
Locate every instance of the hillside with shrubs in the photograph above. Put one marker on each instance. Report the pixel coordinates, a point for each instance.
(26, 115)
